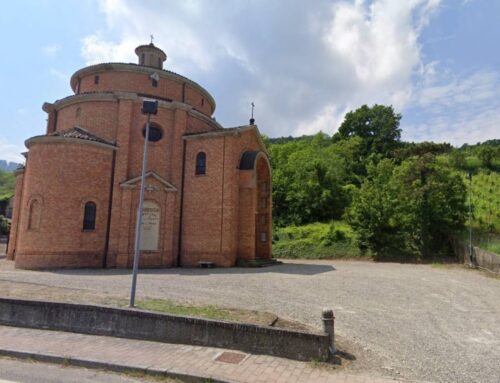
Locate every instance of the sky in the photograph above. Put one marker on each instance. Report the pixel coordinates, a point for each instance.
(304, 64)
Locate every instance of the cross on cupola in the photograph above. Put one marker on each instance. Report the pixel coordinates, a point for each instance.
(252, 120)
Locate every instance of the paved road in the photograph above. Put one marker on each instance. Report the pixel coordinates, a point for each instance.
(411, 321)
(15, 371)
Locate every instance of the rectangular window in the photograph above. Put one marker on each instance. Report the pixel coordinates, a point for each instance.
(263, 187)
(154, 83)
(263, 236)
(263, 203)
(96, 80)
(263, 219)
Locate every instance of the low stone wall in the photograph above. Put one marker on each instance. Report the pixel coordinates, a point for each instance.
(137, 324)
(479, 258)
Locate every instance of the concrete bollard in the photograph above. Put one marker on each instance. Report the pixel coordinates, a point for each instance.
(329, 327)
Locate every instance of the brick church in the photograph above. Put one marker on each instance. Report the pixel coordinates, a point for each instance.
(207, 189)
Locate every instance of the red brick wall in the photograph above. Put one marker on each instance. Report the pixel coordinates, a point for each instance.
(197, 100)
(128, 81)
(202, 225)
(98, 117)
(64, 176)
(196, 125)
(219, 213)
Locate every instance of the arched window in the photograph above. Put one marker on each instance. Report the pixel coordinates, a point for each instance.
(201, 163)
(89, 216)
(34, 215)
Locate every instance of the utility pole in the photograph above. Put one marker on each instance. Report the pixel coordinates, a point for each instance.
(149, 107)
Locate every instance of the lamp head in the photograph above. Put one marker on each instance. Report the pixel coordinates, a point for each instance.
(149, 106)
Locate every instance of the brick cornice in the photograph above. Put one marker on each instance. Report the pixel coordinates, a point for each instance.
(115, 96)
(227, 132)
(68, 140)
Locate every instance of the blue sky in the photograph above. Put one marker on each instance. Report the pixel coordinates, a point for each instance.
(304, 64)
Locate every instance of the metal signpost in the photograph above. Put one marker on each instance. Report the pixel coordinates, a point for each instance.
(149, 107)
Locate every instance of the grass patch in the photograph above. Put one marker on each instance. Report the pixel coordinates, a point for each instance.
(150, 377)
(316, 241)
(170, 307)
(166, 306)
(486, 241)
(439, 265)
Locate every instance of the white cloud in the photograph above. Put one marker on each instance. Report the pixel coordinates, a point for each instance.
(480, 87)
(379, 43)
(327, 121)
(458, 109)
(10, 152)
(303, 65)
(51, 50)
(96, 50)
(58, 74)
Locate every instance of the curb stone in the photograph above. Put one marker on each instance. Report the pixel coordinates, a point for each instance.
(114, 367)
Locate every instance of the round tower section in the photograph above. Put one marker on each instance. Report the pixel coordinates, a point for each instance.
(65, 202)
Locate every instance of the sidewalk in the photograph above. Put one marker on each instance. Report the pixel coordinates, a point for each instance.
(177, 361)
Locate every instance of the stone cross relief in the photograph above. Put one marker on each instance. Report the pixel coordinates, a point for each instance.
(152, 188)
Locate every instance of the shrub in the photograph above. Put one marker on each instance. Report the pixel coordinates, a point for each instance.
(4, 225)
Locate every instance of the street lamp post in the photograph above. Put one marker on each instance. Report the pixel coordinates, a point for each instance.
(470, 218)
(149, 107)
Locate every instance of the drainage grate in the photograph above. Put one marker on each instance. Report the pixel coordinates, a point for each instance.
(230, 357)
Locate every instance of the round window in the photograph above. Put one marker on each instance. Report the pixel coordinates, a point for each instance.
(155, 133)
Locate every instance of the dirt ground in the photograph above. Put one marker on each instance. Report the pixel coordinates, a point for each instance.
(420, 322)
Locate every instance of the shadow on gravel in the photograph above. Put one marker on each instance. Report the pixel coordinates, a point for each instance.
(290, 268)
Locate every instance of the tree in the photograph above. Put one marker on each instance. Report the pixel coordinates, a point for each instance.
(408, 210)
(307, 181)
(458, 159)
(7, 185)
(487, 154)
(373, 210)
(419, 149)
(431, 204)
(377, 126)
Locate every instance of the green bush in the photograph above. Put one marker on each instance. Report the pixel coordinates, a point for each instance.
(4, 225)
(410, 210)
(315, 241)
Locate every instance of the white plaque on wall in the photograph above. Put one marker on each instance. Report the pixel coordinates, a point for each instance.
(150, 226)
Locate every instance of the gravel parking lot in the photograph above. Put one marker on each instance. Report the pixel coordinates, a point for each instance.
(437, 324)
